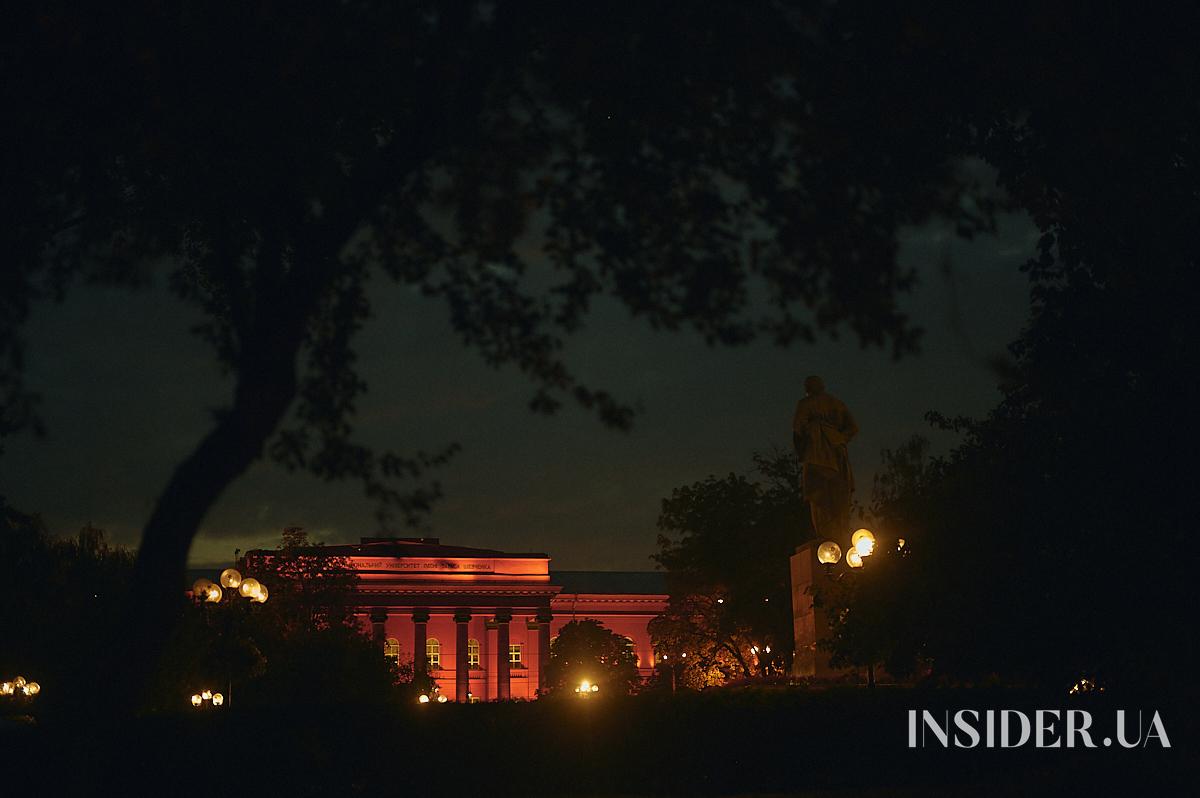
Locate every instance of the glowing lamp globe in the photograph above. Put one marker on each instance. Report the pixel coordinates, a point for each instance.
(6, 688)
(441, 699)
(828, 553)
(207, 694)
(33, 688)
(595, 688)
(196, 699)
(19, 681)
(261, 596)
(854, 559)
(231, 578)
(200, 587)
(859, 534)
(218, 699)
(249, 587)
(215, 594)
(423, 699)
(864, 547)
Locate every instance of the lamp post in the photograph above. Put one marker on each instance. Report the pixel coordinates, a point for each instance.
(862, 547)
(435, 696)
(672, 665)
(207, 698)
(232, 587)
(19, 690)
(587, 689)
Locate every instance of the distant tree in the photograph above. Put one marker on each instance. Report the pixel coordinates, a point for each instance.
(62, 601)
(307, 587)
(587, 650)
(311, 642)
(305, 641)
(725, 545)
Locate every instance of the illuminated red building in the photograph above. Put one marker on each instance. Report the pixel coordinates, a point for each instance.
(481, 620)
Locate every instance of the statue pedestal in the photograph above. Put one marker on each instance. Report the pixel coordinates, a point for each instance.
(809, 624)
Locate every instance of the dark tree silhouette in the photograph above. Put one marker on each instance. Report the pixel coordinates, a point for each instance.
(725, 544)
(683, 159)
(269, 159)
(587, 650)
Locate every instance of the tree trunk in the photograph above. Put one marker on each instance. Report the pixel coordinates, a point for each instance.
(262, 397)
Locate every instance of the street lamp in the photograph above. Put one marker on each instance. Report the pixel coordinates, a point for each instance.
(207, 591)
(232, 585)
(20, 688)
(672, 666)
(586, 689)
(863, 541)
(828, 553)
(207, 698)
(434, 695)
(862, 546)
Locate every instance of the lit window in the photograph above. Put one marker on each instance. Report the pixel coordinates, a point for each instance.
(472, 653)
(391, 648)
(433, 653)
(514, 654)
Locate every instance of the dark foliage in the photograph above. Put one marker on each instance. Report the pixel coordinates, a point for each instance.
(64, 598)
(587, 650)
(517, 160)
(725, 545)
(720, 742)
(511, 160)
(61, 601)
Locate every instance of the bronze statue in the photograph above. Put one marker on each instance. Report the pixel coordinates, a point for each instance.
(821, 429)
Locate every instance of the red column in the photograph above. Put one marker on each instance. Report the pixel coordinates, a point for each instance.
(462, 671)
(420, 618)
(378, 619)
(543, 650)
(503, 688)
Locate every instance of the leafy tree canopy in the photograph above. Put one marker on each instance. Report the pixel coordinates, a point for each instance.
(517, 160)
(725, 544)
(511, 160)
(587, 650)
(61, 600)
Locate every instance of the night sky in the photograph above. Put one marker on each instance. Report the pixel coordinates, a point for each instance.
(126, 391)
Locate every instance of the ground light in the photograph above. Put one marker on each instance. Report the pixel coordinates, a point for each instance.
(207, 698)
(586, 689)
(19, 686)
(434, 695)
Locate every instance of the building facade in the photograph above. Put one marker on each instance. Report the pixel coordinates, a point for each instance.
(481, 620)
